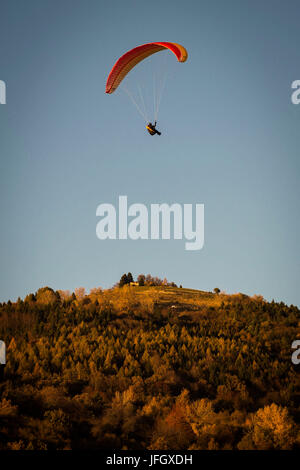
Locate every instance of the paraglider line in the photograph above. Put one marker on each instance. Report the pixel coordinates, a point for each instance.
(134, 102)
(143, 102)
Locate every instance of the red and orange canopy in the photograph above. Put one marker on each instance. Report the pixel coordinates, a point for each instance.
(131, 58)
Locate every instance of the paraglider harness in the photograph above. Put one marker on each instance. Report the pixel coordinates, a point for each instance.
(151, 129)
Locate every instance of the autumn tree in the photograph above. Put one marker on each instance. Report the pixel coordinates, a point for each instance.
(141, 279)
(46, 296)
(270, 428)
(80, 293)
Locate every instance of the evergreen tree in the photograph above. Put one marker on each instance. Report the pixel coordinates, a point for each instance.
(123, 280)
(129, 278)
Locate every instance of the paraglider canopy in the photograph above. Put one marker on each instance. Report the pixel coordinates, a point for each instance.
(131, 58)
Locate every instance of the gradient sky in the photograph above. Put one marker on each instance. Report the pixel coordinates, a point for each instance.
(230, 140)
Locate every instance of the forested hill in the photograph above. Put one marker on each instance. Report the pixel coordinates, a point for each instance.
(149, 367)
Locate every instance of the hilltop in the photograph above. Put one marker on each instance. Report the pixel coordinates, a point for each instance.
(157, 367)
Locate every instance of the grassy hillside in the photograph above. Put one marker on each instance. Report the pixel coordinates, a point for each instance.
(149, 367)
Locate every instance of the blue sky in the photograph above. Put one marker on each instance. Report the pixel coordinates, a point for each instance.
(230, 140)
